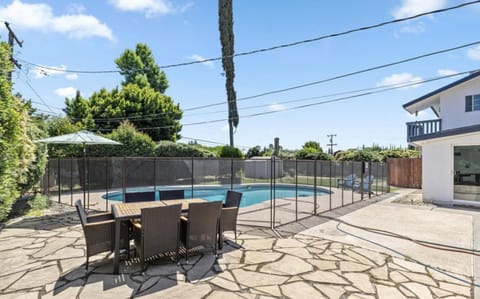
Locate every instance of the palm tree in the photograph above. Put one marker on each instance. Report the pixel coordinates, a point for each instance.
(225, 24)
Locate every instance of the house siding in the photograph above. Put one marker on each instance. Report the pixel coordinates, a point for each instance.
(452, 106)
(437, 167)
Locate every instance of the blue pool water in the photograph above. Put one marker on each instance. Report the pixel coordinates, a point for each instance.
(251, 194)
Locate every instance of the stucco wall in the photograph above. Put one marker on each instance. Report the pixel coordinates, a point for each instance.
(452, 106)
(437, 167)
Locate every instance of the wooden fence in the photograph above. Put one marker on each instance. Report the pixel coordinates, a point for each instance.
(405, 173)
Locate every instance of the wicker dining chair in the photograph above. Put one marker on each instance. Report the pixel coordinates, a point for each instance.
(200, 227)
(140, 196)
(228, 219)
(158, 232)
(99, 232)
(172, 194)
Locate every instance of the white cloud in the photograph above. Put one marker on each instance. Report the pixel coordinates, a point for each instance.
(277, 107)
(446, 72)
(150, 8)
(66, 92)
(410, 8)
(197, 57)
(400, 79)
(71, 76)
(40, 17)
(45, 70)
(474, 53)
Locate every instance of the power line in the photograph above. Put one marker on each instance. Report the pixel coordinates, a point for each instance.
(381, 88)
(339, 76)
(211, 142)
(397, 86)
(276, 47)
(306, 84)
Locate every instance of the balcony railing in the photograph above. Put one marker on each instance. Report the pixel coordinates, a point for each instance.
(425, 127)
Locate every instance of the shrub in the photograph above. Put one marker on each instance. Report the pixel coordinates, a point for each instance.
(172, 149)
(230, 152)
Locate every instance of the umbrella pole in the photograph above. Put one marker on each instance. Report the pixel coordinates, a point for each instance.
(84, 175)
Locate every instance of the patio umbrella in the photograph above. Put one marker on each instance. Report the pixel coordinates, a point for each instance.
(81, 137)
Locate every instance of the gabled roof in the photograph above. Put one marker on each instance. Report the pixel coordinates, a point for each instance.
(430, 98)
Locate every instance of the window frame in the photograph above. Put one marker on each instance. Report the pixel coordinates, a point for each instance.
(472, 103)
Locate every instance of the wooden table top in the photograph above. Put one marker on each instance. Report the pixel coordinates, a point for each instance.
(134, 209)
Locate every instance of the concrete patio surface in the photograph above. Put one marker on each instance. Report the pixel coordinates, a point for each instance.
(44, 257)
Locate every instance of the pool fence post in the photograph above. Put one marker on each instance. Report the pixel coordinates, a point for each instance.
(361, 180)
(88, 182)
(376, 181)
(124, 188)
(58, 180)
(274, 189)
(387, 166)
(369, 178)
(71, 181)
(342, 177)
(48, 179)
(296, 190)
(271, 193)
(106, 183)
(154, 174)
(315, 186)
(330, 185)
(192, 175)
(231, 173)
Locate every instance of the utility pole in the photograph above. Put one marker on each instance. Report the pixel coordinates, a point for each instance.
(11, 38)
(331, 144)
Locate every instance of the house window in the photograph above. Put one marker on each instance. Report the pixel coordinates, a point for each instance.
(472, 103)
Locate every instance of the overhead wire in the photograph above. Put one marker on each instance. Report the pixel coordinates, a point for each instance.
(261, 50)
(305, 84)
(387, 88)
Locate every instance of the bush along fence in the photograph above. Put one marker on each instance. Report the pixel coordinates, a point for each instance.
(275, 191)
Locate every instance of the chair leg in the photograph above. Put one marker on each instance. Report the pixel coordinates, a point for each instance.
(86, 265)
(235, 232)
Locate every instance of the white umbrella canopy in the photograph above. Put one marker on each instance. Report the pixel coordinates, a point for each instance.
(81, 137)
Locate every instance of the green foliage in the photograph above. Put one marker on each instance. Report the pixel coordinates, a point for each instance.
(145, 107)
(57, 126)
(230, 152)
(312, 145)
(139, 68)
(255, 151)
(17, 150)
(134, 143)
(39, 202)
(375, 154)
(172, 149)
(311, 150)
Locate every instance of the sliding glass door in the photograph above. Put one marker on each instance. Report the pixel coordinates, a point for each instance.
(466, 181)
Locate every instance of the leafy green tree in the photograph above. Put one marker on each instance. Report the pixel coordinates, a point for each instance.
(140, 100)
(134, 143)
(139, 67)
(311, 150)
(17, 149)
(255, 151)
(225, 24)
(312, 145)
(230, 152)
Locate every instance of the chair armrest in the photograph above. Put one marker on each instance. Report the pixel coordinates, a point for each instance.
(99, 232)
(99, 217)
(229, 211)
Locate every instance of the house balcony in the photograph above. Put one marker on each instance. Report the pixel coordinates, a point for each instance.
(422, 128)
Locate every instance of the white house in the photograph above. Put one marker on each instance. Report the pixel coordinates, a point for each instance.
(450, 144)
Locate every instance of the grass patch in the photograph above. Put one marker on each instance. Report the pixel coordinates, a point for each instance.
(37, 204)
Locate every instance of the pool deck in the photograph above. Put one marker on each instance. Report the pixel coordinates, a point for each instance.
(42, 257)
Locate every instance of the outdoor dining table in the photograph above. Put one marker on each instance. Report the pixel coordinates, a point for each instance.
(127, 211)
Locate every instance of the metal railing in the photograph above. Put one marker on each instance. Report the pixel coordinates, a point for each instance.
(426, 127)
(294, 189)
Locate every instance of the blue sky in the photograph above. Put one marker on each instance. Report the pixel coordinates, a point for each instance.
(89, 35)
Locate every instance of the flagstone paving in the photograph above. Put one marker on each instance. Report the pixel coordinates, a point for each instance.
(44, 257)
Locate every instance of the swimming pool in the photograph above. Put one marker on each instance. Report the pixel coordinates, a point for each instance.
(252, 194)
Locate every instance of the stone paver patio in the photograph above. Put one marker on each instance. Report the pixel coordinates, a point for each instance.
(44, 257)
